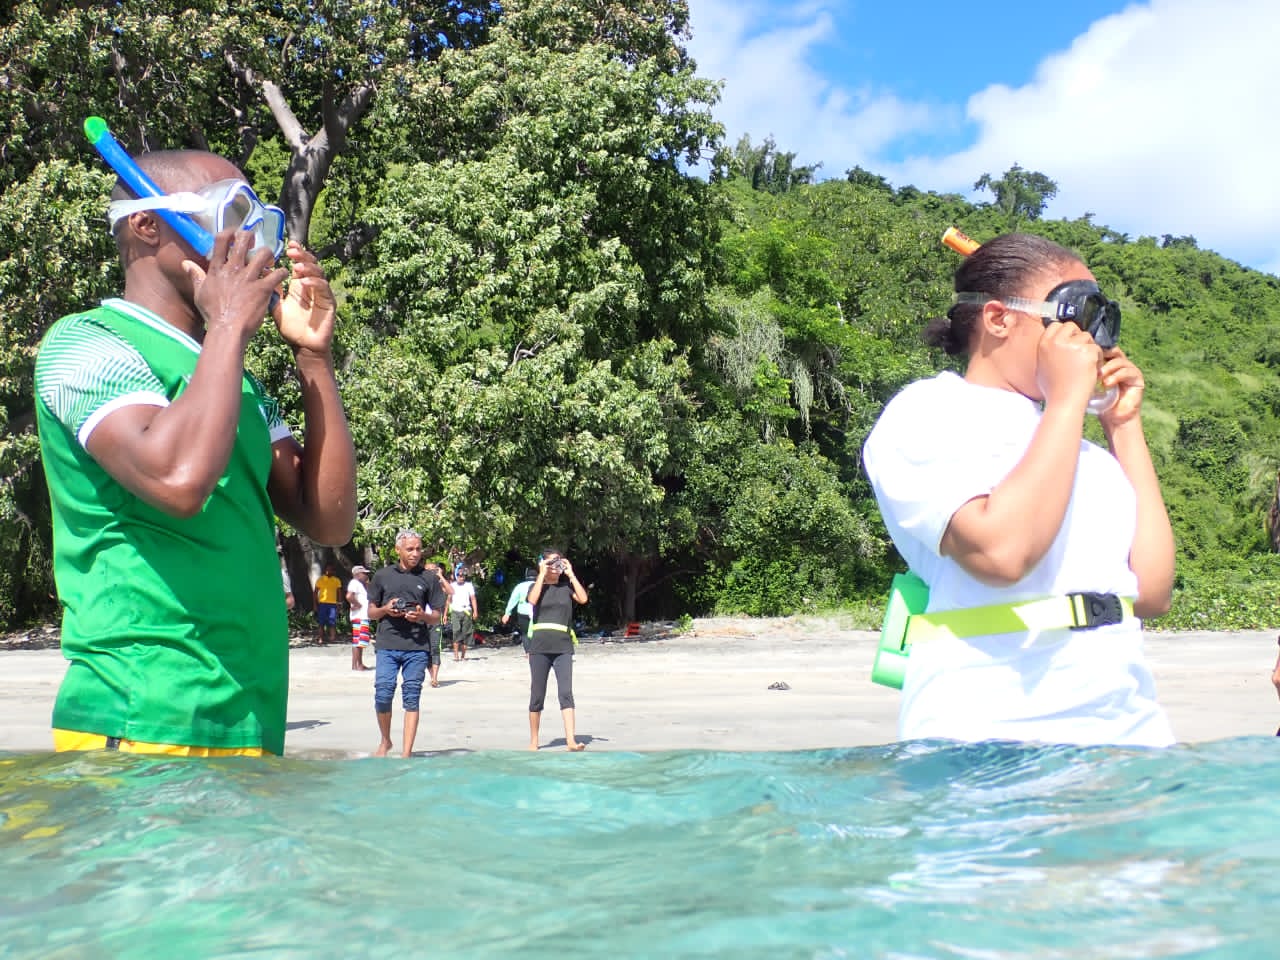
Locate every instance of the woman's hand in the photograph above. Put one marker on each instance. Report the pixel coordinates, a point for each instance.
(1122, 373)
(1067, 362)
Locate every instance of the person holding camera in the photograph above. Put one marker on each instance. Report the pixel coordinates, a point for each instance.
(551, 641)
(398, 600)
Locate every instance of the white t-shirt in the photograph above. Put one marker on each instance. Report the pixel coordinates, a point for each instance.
(462, 595)
(939, 444)
(359, 609)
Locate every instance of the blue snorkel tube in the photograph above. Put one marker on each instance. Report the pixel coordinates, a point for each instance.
(95, 128)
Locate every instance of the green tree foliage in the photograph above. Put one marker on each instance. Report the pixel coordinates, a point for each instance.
(1020, 194)
(526, 296)
(767, 168)
(223, 77)
(550, 330)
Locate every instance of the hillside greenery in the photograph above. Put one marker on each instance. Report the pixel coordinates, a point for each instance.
(572, 313)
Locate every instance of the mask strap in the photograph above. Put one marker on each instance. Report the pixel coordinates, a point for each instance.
(177, 202)
(1041, 308)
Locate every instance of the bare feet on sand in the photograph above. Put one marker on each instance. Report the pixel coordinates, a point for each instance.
(575, 747)
(383, 749)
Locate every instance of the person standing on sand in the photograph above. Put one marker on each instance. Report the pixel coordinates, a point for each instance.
(519, 602)
(167, 464)
(1275, 678)
(398, 601)
(438, 600)
(358, 599)
(326, 601)
(552, 596)
(463, 612)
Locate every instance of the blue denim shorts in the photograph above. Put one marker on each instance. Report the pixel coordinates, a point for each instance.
(410, 666)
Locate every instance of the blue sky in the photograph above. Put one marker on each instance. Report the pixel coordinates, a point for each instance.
(1160, 116)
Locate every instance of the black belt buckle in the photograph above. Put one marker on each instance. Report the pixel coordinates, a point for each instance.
(1098, 609)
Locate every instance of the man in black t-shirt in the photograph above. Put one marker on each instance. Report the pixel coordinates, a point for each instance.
(438, 599)
(398, 600)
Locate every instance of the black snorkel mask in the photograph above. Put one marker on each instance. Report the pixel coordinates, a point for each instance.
(1077, 301)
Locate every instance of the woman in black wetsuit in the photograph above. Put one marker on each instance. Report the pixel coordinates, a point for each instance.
(552, 597)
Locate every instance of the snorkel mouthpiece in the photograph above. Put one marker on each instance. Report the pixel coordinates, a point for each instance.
(95, 129)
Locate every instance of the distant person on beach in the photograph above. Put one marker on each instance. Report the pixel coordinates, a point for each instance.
(358, 601)
(1275, 678)
(518, 602)
(398, 601)
(441, 591)
(167, 465)
(994, 498)
(463, 612)
(326, 600)
(554, 592)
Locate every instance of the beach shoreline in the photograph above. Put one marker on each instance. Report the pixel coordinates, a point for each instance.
(785, 683)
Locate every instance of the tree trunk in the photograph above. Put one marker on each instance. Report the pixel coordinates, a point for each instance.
(1273, 517)
(635, 568)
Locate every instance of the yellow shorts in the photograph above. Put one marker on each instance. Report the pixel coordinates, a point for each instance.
(65, 740)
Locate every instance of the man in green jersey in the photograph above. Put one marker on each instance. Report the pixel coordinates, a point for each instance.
(167, 464)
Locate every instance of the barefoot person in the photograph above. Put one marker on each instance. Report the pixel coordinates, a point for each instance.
(552, 596)
(358, 600)
(438, 601)
(398, 601)
(167, 465)
(463, 612)
(996, 501)
(325, 597)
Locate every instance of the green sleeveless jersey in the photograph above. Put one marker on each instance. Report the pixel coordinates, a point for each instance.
(175, 629)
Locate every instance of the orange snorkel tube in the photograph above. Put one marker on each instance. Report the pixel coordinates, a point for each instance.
(958, 242)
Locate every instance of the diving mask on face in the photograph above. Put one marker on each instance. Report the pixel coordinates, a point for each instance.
(1077, 301)
(223, 205)
(269, 228)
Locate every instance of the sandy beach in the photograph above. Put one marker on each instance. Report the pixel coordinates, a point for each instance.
(709, 689)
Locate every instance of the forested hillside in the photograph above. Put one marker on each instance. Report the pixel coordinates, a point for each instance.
(553, 329)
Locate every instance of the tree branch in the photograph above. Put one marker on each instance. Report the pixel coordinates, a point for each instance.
(292, 130)
(348, 247)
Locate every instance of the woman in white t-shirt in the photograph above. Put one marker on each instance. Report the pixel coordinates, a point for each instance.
(992, 496)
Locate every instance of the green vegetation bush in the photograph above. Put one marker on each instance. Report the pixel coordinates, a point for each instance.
(552, 331)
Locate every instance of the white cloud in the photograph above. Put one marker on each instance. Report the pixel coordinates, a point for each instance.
(772, 89)
(1159, 119)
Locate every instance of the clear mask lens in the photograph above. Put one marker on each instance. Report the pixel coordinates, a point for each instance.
(234, 205)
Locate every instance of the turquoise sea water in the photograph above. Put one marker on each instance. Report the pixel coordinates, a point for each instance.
(907, 851)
